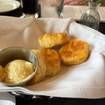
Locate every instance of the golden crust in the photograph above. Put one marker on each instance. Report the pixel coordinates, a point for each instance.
(49, 40)
(41, 72)
(2, 73)
(75, 52)
(53, 63)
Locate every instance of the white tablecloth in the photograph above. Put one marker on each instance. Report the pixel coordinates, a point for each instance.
(7, 98)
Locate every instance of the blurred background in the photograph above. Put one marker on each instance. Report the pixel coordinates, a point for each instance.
(71, 2)
(18, 7)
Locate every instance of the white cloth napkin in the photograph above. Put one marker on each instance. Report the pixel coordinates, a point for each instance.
(6, 99)
(86, 80)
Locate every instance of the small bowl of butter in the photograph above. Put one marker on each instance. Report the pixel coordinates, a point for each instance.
(17, 66)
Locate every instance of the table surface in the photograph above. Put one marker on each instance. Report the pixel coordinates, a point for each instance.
(77, 11)
(58, 101)
(74, 12)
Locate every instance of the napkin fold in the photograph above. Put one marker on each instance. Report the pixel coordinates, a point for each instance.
(7, 99)
(86, 80)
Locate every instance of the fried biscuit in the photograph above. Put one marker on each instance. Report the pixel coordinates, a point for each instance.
(50, 40)
(75, 52)
(2, 73)
(41, 71)
(53, 63)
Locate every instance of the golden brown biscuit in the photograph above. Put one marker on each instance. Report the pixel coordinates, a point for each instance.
(75, 52)
(2, 73)
(49, 40)
(41, 71)
(52, 60)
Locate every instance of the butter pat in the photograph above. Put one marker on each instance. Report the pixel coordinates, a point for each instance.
(18, 70)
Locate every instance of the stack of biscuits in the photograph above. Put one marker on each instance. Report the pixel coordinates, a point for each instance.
(57, 49)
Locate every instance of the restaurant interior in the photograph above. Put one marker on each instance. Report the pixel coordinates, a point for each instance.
(52, 52)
